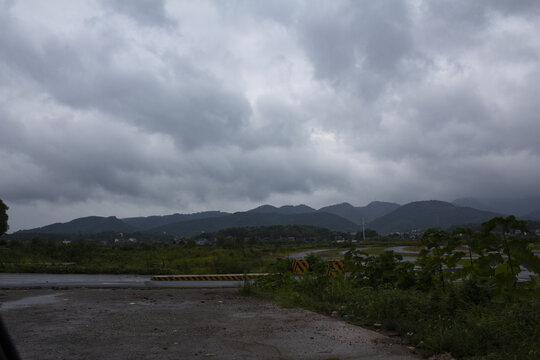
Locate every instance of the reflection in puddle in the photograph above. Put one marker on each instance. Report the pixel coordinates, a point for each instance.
(30, 301)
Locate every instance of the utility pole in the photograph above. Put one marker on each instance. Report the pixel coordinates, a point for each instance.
(363, 230)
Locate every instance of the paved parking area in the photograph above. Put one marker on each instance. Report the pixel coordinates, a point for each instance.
(150, 323)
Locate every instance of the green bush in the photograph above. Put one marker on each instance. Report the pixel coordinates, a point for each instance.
(468, 318)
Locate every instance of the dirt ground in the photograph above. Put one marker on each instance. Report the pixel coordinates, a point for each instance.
(171, 323)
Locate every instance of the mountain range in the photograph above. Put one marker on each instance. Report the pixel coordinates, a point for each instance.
(85, 225)
(425, 214)
(519, 207)
(384, 217)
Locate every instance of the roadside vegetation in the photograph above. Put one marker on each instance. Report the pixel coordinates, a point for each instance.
(39, 256)
(477, 310)
(235, 250)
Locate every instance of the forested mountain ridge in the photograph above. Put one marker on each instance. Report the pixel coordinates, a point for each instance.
(357, 214)
(86, 225)
(149, 222)
(245, 219)
(384, 217)
(421, 215)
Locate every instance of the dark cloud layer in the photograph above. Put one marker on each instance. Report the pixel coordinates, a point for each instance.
(142, 107)
(144, 12)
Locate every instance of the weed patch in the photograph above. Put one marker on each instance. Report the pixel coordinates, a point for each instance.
(476, 311)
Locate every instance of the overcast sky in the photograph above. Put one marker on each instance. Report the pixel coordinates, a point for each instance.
(142, 107)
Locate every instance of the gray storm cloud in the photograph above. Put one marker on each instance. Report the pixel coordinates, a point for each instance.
(144, 12)
(141, 107)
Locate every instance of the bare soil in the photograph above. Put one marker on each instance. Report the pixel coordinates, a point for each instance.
(150, 323)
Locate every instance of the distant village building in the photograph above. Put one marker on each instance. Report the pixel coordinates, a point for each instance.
(124, 241)
(202, 242)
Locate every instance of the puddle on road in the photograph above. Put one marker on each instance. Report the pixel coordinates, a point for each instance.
(30, 301)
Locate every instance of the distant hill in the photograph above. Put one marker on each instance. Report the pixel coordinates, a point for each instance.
(533, 215)
(518, 207)
(471, 202)
(284, 210)
(250, 218)
(149, 222)
(428, 214)
(370, 212)
(86, 225)
(384, 217)
(376, 209)
(345, 210)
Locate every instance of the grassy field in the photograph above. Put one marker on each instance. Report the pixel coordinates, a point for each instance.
(155, 258)
(142, 258)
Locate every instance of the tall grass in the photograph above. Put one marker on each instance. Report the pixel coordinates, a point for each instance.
(435, 322)
(479, 311)
(41, 257)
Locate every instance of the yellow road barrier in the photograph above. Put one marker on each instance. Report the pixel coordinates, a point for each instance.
(336, 268)
(214, 277)
(300, 266)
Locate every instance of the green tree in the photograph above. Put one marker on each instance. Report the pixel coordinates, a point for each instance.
(469, 240)
(239, 241)
(387, 270)
(500, 229)
(4, 227)
(439, 259)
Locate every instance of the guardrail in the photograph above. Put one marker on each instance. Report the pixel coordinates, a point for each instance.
(335, 268)
(298, 266)
(214, 277)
